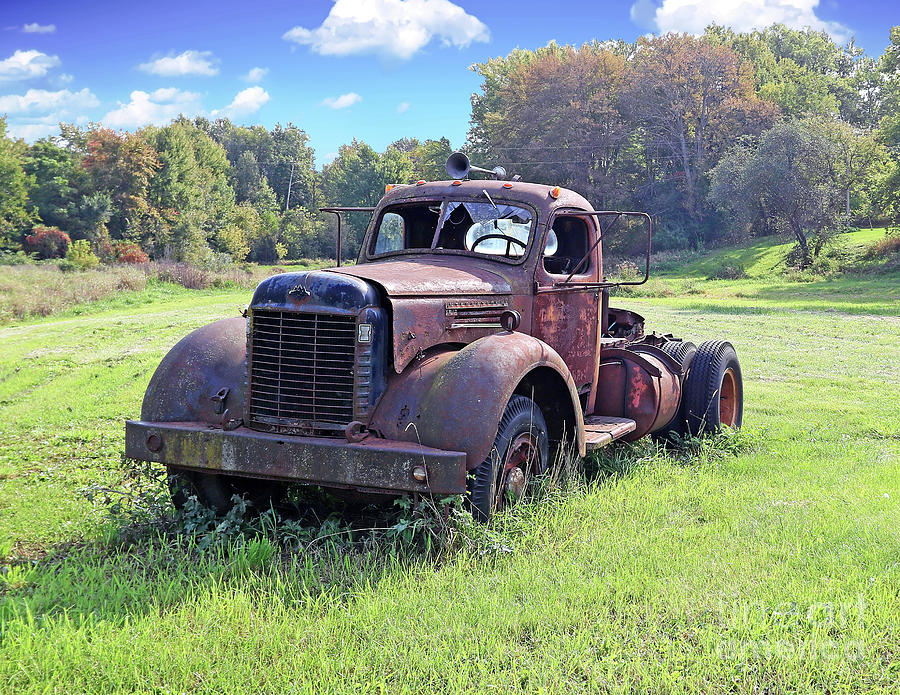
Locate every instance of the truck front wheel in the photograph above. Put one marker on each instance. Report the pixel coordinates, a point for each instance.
(714, 389)
(215, 490)
(520, 452)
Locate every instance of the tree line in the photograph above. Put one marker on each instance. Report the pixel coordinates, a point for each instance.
(194, 190)
(718, 137)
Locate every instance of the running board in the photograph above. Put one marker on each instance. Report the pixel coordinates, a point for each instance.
(600, 430)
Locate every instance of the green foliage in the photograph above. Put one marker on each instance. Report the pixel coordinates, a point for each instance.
(789, 177)
(629, 125)
(80, 256)
(59, 185)
(192, 188)
(16, 214)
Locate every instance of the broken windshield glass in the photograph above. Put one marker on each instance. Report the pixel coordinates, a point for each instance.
(489, 228)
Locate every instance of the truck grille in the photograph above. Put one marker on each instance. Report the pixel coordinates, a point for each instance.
(301, 369)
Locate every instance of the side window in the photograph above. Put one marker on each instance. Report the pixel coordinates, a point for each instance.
(390, 233)
(567, 243)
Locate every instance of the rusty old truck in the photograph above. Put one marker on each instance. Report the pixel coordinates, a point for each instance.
(472, 342)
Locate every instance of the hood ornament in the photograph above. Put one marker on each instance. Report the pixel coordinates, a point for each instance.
(298, 292)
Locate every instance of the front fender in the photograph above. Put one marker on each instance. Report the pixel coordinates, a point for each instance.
(454, 399)
(201, 364)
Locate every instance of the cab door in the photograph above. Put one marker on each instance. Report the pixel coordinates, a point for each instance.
(566, 313)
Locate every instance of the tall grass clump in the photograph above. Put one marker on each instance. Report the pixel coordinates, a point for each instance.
(40, 290)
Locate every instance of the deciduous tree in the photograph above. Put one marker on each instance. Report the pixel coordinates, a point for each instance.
(16, 215)
(693, 98)
(789, 176)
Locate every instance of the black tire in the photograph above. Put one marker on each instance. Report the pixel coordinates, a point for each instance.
(522, 444)
(714, 390)
(683, 352)
(215, 490)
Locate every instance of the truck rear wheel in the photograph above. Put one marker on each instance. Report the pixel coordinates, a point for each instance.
(520, 452)
(714, 389)
(215, 490)
(683, 352)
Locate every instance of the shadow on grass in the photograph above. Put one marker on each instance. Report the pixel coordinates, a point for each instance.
(151, 557)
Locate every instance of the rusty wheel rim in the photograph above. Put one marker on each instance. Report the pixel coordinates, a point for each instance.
(520, 457)
(729, 395)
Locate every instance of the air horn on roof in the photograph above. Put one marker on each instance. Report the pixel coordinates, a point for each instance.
(458, 167)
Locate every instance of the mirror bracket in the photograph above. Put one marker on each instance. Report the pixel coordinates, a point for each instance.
(603, 232)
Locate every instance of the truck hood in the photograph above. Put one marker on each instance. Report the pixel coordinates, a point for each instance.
(435, 277)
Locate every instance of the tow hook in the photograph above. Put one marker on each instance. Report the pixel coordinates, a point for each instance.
(355, 432)
(219, 400)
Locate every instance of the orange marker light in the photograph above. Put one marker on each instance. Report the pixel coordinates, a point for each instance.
(420, 182)
(457, 182)
(554, 192)
(507, 185)
(387, 189)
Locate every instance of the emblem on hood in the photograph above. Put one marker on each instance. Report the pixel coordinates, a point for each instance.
(298, 292)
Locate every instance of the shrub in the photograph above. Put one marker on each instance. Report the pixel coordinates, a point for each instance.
(728, 271)
(626, 271)
(120, 252)
(15, 258)
(81, 256)
(182, 274)
(129, 252)
(47, 242)
(885, 247)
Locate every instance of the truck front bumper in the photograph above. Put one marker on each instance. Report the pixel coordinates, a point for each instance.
(377, 465)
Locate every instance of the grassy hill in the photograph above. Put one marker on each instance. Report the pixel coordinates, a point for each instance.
(843, 281)
(762, 562)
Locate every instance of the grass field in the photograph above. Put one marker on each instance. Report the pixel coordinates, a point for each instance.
(769, 567)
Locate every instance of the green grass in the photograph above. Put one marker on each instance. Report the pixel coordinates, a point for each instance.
(774, 568)
(764, 258)
(683, 284)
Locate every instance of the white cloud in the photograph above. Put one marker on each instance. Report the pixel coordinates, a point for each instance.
(35, 28)
(157, 108)
(343, 101)
(32, 131)
(403, 107)
(693, 16)
(245, 102)
(200, 63)
(44, 100)
(26, 65)
(391, 28)
(255, 74)
(59, 80)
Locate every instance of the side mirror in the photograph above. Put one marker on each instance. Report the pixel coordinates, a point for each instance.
(626, 240)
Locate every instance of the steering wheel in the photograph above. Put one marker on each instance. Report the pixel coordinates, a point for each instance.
(508, 239)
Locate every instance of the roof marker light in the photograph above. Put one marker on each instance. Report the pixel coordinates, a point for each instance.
(387, 188)
(456, 182)
(554, 192)
(421, 182)
(507, 185)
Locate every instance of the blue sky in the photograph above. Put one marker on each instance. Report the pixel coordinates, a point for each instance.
(372, 69)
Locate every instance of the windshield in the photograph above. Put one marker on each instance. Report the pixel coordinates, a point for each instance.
(489, 228)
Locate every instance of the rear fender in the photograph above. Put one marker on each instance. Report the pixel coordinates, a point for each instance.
(454, 400)
(189, 383)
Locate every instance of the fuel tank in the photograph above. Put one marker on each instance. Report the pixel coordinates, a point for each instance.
(641, 383)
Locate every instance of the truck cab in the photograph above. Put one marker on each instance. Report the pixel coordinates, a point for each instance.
(470, 346)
